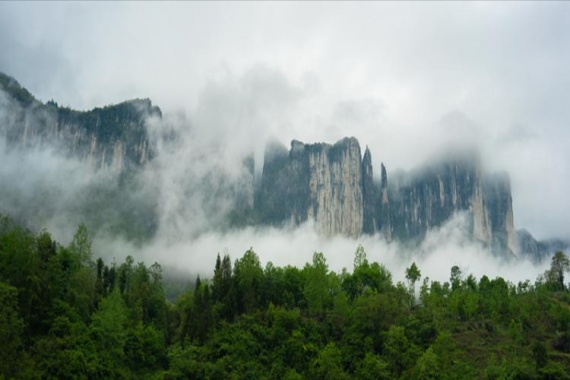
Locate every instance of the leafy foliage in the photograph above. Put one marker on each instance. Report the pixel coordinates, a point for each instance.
(64, 315)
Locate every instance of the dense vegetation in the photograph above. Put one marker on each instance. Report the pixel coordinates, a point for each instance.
(63, 315)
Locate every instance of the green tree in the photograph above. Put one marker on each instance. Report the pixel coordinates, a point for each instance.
(395, 348)
(359, 257)
(427, 367)
(248, 279)
(455, 278)
(108, 330)
(372, 367)
(80, 246)
(316, 289)
(11, 329)
(413, 274)
(559, 265)
(328, 365)
(540, 355)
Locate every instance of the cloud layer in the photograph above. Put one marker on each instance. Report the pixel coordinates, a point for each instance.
(405, 79)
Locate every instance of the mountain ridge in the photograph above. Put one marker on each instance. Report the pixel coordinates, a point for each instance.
(331, 184)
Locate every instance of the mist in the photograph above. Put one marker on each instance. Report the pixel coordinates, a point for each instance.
(407, 80)
(199, 166)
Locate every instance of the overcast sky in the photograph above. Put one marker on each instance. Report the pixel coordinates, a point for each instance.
(404, 78)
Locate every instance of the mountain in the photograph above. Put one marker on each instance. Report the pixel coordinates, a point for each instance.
(332, 185)
(538, 251)
(64, 167)
(321, 182)
(110, 138)
(428, 197)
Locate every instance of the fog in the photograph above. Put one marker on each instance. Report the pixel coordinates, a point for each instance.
(408, 80)
(443, 248)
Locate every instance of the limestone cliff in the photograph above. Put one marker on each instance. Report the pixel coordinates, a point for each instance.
(321, 182)
(334, 187)
(113, 137)
(500, 206)
(383, 216)
(368, 195)
(428, 197)
(538, 251)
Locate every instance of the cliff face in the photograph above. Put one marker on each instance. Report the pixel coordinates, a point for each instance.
(429, 197)
(538, 251)
(369, 225)
(383, 215)
(333, 186)
(109, 138)
(318, 181)
(500, 205)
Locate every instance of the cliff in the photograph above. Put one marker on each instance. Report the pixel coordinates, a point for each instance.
(109, 138)
(331, 185)
(383, 215)
(321, 182)
(334, 186)
(428, 197)
(369, 225)
(538, 251)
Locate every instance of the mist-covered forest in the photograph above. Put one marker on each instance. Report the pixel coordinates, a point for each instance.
(65, 313)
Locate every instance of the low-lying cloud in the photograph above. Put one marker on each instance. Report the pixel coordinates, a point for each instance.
(443, 248)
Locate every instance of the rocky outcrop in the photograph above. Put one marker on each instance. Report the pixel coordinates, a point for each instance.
(500, 205)
(429, 197)
(109, 138)
(369, 225)
(539, 251)
(383, 215)
(334, 186)
(321, 182)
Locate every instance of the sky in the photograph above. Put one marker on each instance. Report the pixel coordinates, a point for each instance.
(407, 79)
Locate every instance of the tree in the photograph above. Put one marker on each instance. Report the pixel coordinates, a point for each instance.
(217, 280)
(328, 365)
(413, 274)
(372, 367)
(359, 257)
(427, 367)
(11, 328)
(316, 283)
(80, 246)
(558, 266)
(395, 347)
(108, 332)
(248, 277)
(455, 278)
(540, 355)
(200, 317)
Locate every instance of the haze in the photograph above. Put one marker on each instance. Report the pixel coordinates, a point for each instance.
(406, 79)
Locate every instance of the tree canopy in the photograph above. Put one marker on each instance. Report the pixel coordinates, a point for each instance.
(64, 314)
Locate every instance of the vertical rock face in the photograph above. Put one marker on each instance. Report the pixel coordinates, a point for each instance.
(538, 251)
(429, 197)
(322, 182)
(334, 187)
(368, 195)
(500, 206)
(385, 220)
(113, 137)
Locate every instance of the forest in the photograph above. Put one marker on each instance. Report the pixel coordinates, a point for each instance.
(66, 313)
